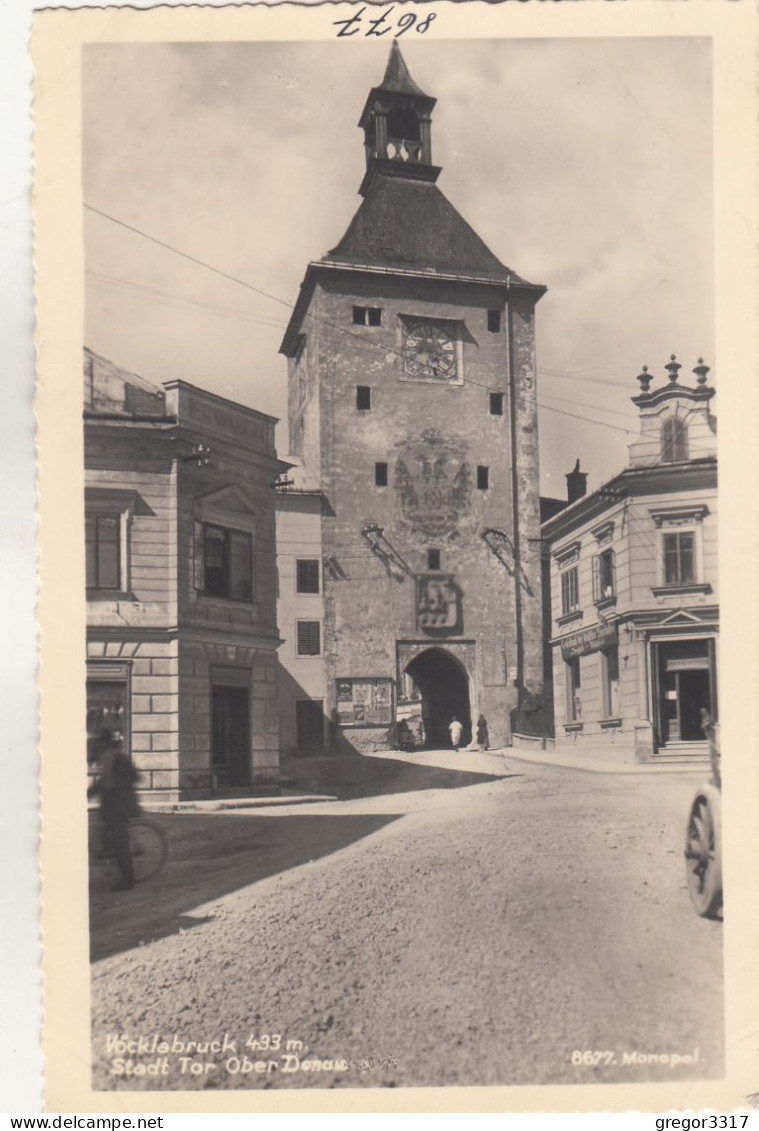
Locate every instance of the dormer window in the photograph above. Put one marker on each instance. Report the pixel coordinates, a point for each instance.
(674, 440)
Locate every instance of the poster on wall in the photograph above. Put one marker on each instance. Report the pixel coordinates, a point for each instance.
(364, 702)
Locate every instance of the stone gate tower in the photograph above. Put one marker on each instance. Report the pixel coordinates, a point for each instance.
(413, 417)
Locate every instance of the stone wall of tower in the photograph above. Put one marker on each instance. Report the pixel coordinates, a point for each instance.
(525, 432)
(370, 606)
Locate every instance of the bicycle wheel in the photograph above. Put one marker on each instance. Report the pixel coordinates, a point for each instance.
(149, 847)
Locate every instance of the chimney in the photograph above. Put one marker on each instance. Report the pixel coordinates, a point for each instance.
(577, 484)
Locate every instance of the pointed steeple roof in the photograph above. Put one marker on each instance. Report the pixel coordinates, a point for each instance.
(397, 78)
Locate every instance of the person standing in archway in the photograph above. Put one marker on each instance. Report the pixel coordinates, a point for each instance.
(483, 738)
(456, 730)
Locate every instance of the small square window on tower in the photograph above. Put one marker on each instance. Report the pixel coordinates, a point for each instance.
(363, 398)
(380, 474)
(367, 316)
(433, 559)
(483, 477)
(496, 404)
(494, 321)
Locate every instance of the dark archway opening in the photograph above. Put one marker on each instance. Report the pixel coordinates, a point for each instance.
(444, 689)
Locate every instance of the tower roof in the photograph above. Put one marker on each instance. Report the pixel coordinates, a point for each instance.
(397, 83)
(397, 78)
(409, 225)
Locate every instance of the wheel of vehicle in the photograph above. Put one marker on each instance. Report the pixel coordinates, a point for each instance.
(150, 847)
(703, 863)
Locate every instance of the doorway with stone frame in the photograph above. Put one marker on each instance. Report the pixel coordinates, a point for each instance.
(442, 687)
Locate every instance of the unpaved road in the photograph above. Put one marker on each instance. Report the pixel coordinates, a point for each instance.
(463, 934)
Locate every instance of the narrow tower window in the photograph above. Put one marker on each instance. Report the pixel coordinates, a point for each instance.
(494, 321)
(483, 477)
(363, 398)
(433, 559)
(367, 316)
(496, 404)
(380, 474)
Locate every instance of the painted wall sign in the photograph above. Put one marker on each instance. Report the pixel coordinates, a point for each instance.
(364, 702)
(589, 640)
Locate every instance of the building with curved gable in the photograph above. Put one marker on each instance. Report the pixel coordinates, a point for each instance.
(635, 613)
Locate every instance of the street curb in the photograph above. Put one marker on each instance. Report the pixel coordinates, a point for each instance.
(600, 766)
(242, 803)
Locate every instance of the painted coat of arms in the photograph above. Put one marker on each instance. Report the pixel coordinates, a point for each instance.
(434, 484)
(437, 603)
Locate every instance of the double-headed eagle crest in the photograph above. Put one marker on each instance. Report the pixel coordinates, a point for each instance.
(434, 484)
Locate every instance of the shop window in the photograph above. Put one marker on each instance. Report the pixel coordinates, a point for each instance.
(494, 321)
(367, 316)
(603, 576)
(309, 638)
(674, 440)
(570, 592)
(610, 682)
(227, 563)
(307, 575)
(103, 550)
(573, 689)
(679, 558)
(363, 398)
(496, 404)
(433, 559)
(107, 708)
(380, 474)
(483, 477)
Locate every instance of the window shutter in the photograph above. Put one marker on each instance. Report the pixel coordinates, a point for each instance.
(613, 571)
(199, 557)
(597, 588)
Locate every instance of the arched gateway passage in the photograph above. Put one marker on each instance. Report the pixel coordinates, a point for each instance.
(444, 689)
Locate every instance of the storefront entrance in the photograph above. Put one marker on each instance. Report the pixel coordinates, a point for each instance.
(685, 686)
(443, 687)
(230, 735)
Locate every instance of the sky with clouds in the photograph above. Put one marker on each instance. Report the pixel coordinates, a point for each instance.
(584, 164)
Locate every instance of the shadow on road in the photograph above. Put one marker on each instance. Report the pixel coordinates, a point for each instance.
(211, 855)
(354, 775)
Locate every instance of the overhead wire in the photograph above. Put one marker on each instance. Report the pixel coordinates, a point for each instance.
(367, 343)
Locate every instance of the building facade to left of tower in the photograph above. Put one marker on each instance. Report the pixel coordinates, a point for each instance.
(181, 582)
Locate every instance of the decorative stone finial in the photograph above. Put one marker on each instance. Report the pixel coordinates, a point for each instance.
(645, 379)
(673, 367)
(701, 371)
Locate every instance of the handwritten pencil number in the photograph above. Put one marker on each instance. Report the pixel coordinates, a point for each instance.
(382, 24)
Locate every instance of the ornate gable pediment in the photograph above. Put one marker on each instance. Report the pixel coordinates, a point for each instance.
(229, 499)
(682, 617)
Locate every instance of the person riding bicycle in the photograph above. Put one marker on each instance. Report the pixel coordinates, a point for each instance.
(118, 800)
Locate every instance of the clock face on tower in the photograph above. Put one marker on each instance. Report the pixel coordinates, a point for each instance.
(430, 349)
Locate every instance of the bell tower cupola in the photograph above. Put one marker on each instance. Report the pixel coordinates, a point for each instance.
(396, 121)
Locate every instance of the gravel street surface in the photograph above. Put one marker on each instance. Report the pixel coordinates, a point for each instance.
(470, 920)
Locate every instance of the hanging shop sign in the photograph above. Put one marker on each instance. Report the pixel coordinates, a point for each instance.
(589, 640)
(364, 702)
